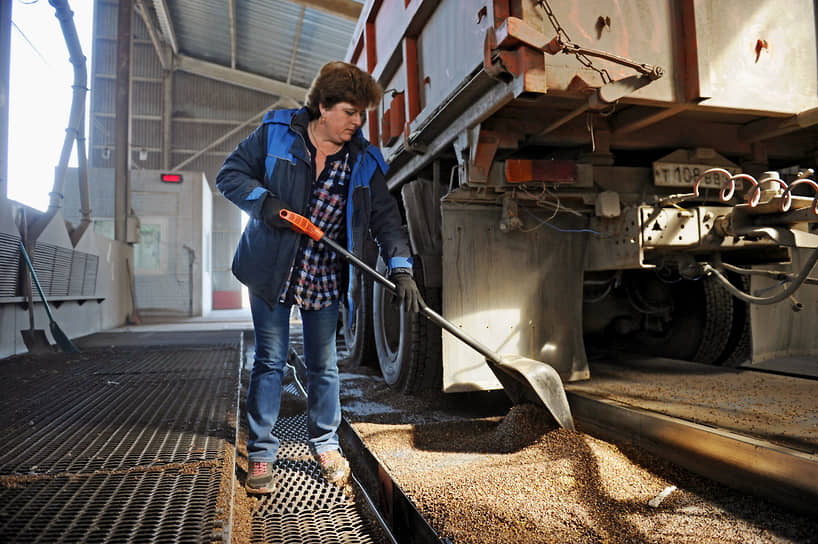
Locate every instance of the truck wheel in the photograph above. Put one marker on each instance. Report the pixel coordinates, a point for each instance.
(408, 345)
(700, 324)
(739, 347)
(359, 336)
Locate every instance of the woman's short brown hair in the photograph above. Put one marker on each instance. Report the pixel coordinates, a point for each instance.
(339, 81)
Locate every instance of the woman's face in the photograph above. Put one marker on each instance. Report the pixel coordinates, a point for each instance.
(342, 120)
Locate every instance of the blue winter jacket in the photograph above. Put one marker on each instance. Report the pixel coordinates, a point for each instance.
(274, 160)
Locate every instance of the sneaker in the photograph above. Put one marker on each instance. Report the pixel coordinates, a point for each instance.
(334, 467)
(259, 478)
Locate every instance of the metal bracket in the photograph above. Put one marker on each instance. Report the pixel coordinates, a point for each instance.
(476, 148)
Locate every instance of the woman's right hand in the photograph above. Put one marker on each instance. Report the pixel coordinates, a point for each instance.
(269, 212)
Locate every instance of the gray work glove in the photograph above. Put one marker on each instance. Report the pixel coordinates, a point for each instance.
(269, 212)
(406, 290)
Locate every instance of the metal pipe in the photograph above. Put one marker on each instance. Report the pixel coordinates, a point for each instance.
(5, 64)
(122, 132)
(191, 253)
(76, 118)
(741, 295)
(85, 200)
(773, 274)
(26, 276)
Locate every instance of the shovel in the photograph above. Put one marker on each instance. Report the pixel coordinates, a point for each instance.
(35, 339)
(523, 379)
(60, 337)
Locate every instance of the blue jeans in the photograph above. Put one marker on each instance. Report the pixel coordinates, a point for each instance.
(272, 331)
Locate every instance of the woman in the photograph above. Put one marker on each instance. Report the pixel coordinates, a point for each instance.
(315, 162)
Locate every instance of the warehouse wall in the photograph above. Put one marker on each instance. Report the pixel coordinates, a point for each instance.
(176, 223)
(106, 305)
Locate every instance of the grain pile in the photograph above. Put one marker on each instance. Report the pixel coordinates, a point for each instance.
(779, 409)
(514, 477)
(242, 513)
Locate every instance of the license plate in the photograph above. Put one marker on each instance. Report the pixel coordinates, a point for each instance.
(668, 174)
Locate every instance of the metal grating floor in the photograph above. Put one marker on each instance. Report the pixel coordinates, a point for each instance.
(151, 407)
(152, 506)
(121, 444)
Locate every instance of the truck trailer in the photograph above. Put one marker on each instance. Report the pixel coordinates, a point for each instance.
(586, 177)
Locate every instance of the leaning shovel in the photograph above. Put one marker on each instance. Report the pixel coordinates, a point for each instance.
(60, 337)
(522, 378)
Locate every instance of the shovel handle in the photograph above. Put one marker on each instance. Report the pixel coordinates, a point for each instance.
(301, 224)
(36, 281)
(305, 226)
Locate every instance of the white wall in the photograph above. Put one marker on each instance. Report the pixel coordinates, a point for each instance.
(205, 258)
(75, 317)
(173, 217)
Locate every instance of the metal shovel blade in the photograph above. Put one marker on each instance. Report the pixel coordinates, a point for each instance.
(525, 379)
(36, 341)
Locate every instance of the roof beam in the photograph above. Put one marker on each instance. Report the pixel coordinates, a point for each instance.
(348, 9)
(238, 77)
(295, 44)
(166, 24)
(278, 103)
(143, 12)
(231, 17)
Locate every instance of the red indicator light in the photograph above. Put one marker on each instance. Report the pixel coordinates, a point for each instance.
(172, 178)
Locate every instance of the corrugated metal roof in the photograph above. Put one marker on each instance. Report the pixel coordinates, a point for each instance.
(202, 28)
(323, 38)
(267, 32)
(197, 87)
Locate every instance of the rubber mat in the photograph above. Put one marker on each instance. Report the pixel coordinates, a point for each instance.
(305, 508)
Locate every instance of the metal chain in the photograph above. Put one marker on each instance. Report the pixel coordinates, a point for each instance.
(566, 40)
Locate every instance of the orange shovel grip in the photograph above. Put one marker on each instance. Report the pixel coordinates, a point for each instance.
(301, 224)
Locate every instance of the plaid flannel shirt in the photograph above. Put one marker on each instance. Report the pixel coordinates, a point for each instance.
(314, 280)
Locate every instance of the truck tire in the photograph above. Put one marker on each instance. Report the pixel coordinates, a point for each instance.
(739, 348)
(702, 319)
(719, 314)
(408, 345)
(359, 335)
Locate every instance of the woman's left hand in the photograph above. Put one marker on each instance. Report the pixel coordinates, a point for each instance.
(407, 291)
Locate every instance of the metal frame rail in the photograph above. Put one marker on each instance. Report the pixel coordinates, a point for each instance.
(781, 475)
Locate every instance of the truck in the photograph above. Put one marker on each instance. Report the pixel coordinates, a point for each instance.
(580, 177)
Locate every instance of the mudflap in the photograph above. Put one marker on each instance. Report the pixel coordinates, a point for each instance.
(519, 292)
(527, 380)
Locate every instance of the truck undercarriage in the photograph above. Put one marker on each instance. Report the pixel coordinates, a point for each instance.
(563, 200)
